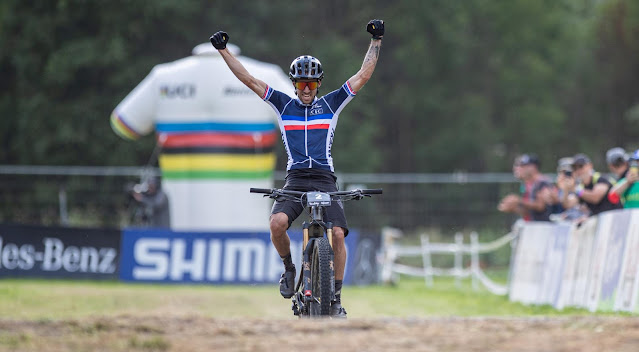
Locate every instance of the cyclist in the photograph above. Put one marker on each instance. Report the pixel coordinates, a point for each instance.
(307, 125)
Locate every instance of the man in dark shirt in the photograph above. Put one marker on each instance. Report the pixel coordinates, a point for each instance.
(532, 203)
(593, 188)
(155, 203)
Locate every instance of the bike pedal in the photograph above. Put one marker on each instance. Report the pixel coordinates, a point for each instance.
(296, 309)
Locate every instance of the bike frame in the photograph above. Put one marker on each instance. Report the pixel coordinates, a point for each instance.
(313, 230)
(313, 234)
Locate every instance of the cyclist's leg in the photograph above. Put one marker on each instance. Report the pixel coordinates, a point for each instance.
(282, 216)
(335, 214)
(339, 248)
(279, 237)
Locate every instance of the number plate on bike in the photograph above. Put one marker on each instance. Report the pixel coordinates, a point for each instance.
(318, 198)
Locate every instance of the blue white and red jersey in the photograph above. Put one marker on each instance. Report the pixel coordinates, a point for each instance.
(308, 130)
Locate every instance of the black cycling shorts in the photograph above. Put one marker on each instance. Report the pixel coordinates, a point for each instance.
(307, 180)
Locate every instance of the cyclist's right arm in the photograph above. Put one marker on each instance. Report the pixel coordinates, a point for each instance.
(254, 84)
(219, 41)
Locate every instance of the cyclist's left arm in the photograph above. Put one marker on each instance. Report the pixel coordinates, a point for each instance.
(219, 40)
(376, 28)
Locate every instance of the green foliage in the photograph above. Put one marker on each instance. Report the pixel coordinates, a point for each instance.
(460, 85)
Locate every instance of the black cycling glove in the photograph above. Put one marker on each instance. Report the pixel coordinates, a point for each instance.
(219, 40)
(376, 28)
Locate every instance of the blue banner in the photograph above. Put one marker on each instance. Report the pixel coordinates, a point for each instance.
(59, 252)
(150, 255)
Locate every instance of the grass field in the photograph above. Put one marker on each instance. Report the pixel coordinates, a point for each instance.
(37, 299)
(112, 316)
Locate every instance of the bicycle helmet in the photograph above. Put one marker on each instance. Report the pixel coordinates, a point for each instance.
(306, 67)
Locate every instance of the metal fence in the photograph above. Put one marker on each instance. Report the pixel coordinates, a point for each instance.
(99, 196)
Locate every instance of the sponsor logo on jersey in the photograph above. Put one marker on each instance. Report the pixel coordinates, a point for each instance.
(316, 109)
(181, 91)
(237, 91)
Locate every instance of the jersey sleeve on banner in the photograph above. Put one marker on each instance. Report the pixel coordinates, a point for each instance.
(133, 117)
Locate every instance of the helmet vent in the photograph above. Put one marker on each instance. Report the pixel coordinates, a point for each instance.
(306, 67)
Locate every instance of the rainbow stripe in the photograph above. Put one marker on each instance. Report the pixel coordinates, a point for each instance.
(122, 129)
(212, 150)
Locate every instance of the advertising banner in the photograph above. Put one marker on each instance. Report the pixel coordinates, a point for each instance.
(569, 271)
(595, 278)
(529, 265)
(618, 234)
(585, 242)
(209, 257)
(58, 252)
(626, 295)
(554, 264)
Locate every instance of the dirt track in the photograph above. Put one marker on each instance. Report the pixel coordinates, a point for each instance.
(128, 333)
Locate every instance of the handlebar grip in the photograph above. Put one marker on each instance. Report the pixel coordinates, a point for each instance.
(372, 191)
(262, 190)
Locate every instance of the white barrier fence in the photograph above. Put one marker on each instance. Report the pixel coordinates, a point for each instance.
(594, 265)
(391, 252)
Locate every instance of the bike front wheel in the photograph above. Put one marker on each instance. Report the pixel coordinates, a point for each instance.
(321, 278)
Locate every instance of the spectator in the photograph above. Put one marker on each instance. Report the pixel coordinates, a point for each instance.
(564, 168)
(565, 205)
(155, 203)
(593, 187)
(617, 160)
(626, 191)
(531, 204)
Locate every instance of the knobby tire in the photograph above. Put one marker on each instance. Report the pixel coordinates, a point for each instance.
(321, 277)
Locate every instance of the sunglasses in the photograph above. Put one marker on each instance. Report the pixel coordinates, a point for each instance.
(302, 85)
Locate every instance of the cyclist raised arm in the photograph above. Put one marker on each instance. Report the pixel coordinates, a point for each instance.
(308, 125)
(376, 28)
(219, 41)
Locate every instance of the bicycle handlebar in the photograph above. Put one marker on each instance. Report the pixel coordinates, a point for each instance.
(262, 190)
(274, 192)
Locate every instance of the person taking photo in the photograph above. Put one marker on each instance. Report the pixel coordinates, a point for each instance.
(626, 191)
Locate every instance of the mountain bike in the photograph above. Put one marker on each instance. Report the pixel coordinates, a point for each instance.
(315, 289)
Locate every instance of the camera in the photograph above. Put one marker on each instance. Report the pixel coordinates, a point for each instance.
(567, 173)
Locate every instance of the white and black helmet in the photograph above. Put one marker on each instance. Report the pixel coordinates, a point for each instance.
(306, 67)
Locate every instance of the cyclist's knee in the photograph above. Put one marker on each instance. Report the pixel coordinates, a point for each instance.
(278, 223)
(338, 234)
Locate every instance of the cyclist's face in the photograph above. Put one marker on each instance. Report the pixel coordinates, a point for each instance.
(304, 91)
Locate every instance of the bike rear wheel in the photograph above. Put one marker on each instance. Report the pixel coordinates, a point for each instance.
(321, 280)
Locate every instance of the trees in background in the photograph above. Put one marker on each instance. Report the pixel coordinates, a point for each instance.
(460, 85)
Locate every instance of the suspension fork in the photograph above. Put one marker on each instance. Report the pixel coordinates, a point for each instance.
(305, 272)
(305, 232)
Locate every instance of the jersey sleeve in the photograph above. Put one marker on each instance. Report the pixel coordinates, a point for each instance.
(134, 116)
(276, 99)
(604, 180)
(338, 99)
